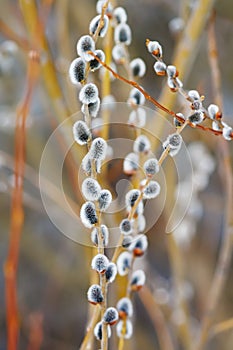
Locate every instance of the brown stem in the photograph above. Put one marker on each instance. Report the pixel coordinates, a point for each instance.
(17, 212)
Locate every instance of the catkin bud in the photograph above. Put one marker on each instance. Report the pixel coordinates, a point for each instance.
(110, 316)
(89, 93)
(174, 142)
(141, 144)
(86, 164)
(160, 68)
(124, 262)
(151, 167)
(141, 223)
(119, 53)
(136, 97)
(172, 72)
(81, 132)
(88, 214)
(154, 48)
(94, 294)
(100, 263)
(111, 272)
(125, 308)
(227, 131)
(138, 117)
(214, 112)
(119, 16)
(131, 164)
(95, 23)
(104, 200)
(216, 125)
(139, 245)
(85, 44)
(176, 122)
(152, 190)
(104, 233)
(193, 95)
(124, 329)
(126, 227)
(91, 189)
(98, 331)
(127, 240)
(122, 34)
(98, 149)
(137, 280)
(138, 67)
(131, 197)
(100, 4)
(93, 108)
(77, 70)
(197, 117)
(95, 64)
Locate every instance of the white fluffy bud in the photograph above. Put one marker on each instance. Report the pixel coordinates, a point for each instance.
(88, 214)
(89, 93)
(100, 263)
(122, 34)
(81, 132)
(77, 70)
(151, 167)
(91, 189)
(94, 25)
(85, 44)
(105, 199)
(124, 262)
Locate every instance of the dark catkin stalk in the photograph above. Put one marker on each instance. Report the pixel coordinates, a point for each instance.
(17, 211)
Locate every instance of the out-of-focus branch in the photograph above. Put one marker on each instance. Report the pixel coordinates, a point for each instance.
(17, 212)
(223, 264)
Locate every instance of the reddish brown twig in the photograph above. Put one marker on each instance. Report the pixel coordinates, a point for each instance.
(17, 214)
(153, 100)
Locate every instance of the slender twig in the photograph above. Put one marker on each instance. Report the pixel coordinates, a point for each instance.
(9, 33)
(17, 212)
(223, 264)
(221, 327)
(154, 101)
(157, 318)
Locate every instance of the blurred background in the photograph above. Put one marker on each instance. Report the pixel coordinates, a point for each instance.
(54, 268)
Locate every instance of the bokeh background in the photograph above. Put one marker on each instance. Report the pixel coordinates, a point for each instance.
(54, 271)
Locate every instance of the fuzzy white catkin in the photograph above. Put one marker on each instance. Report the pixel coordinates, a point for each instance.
(88, 214)
(131, 163)
(126, 227)
(111, 272)
(138, 117)
(122, 34)
(213, 110)
(119, 16)
(77, 71)
(93, 108)
(136, 97)
(94, 25)
(141, 144)
(152, 190)
(91, 189)
(104, 233)
(138, 278)
(98, 331)
(110, 316)
(138, 67)
(125, 306)
(124, 262)
(89, 93)
(95, 64)
(105, 199)
(100, 4)
(131, 197)
(94, 294)
(197, 117)
(119, 53)
(139, 245)
(81, 132)
(85, 44)
(98, 149)
(160, 68)
(100, 263)
(128, 329)
(154, 48)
